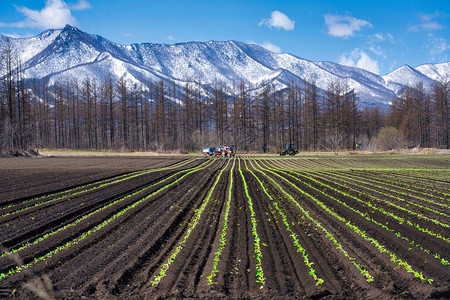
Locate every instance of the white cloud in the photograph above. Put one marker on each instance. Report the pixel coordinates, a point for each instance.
(55, 14)
(390, 38)
(377, 51)
(427, 26)
(80, 5)
(344, 26)
(381, 37)
(170, 38)
(346, 60)
(359, 58)
(428, 22)
(436, 46)
(429, 17)
(278, 20)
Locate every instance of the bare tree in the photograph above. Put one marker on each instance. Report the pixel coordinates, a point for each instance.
(335, 141)
(441, 95)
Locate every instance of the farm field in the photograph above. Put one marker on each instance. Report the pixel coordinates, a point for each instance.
(345, 227)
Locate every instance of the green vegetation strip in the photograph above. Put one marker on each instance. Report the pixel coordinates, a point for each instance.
(387, 195)
(259, 271)
(98, 227)
(192, 224)
(357, 230)
(390, 195)
(83, 189)
(292, 234)
(401, 220)
(439, 176)
(40, 239)
(287, 166)
(407, 183)
(223, 240)
(366, 215)
(409, 222)
(418, 215)
(391, 183)
(421, 216)
(329, 235)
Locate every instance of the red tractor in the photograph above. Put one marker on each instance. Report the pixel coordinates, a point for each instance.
(225, 150)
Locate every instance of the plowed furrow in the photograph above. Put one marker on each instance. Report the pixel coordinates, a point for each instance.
(388, 196)
(421, 187)
(127, 245)
(383, 217)
(236, 266)
(139, 271)
(408, 192)
(283, 273)
(384, 239)
(388, 238)
(29, 203)
(24, 227)
(98, 228)
(353, 248)
(184, 274)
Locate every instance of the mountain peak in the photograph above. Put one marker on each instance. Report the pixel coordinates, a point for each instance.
(69, 27)
(71, 34)
(404, 70)
(70, 30)
(62, 54)
(406, 67)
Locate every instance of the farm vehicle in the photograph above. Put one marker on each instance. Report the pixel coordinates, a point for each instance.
(288, 150)
(225, 150)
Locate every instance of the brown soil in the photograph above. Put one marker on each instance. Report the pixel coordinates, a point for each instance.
(128, 225)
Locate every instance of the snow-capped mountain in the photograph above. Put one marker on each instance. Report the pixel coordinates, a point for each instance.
(62, 54)
(437, 71)
(406, 76)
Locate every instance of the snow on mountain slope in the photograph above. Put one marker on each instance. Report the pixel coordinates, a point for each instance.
(437, 72)
(406, 76)
(29, 47)
(58, 55)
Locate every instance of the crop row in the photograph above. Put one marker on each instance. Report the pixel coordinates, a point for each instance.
(98, 227)
(256, 241)
(398, 166)
(82, 189)
(387, 194)
(406, 183)
(362, 269)
(384, 191)
(84, 217)
(349, 182)
(439, 176)
(223, 236)
(191, 226)
(396, 188)
(366, 215)
(381, 248)
(291, 233)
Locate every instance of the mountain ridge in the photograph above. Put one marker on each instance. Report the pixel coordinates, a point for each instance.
(60, 54)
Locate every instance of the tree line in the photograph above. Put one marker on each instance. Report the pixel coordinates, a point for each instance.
(122, 115)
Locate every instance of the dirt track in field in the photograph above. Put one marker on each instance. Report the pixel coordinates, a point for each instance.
(130, 228)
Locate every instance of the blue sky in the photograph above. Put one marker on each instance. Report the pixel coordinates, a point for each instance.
(379, 36)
